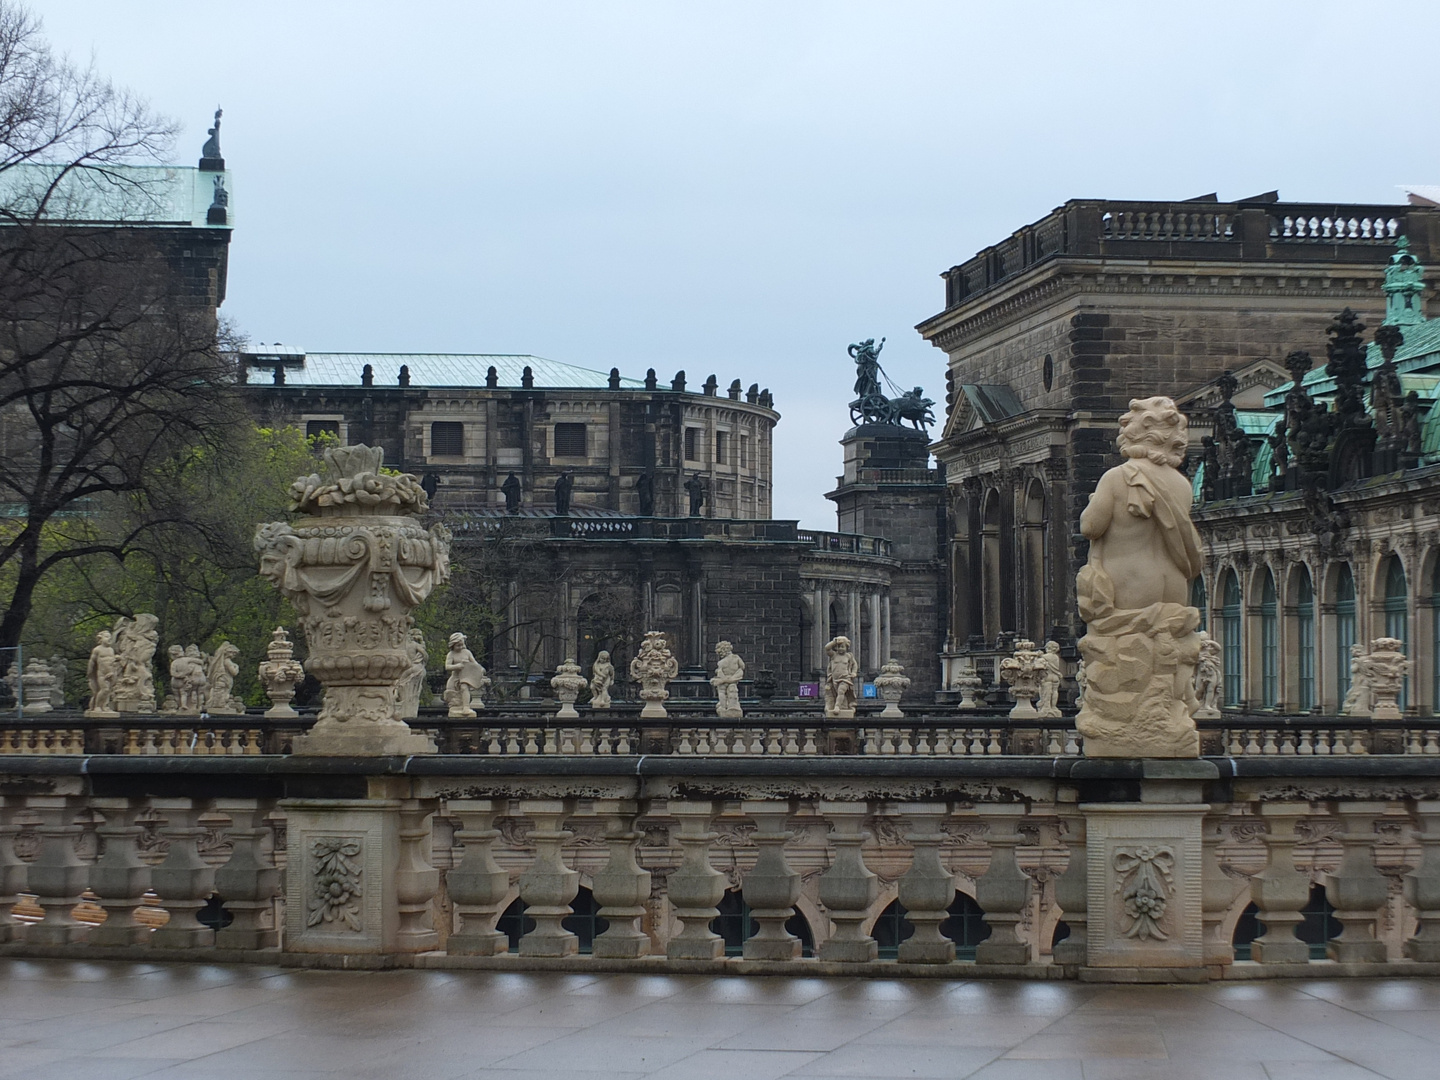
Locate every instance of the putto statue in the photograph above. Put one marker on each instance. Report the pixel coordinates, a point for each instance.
(188, 680)
(1140, 646)
(871, 406)
(729, 670)
(102, 673)
(602, 678)
(1208, 678)
(1052, 673)
(354, 568)
(220, 681)
(407, 690)
(652, 668)
(467, 679)
(840, 675)
(279, 673)
(1358, 697)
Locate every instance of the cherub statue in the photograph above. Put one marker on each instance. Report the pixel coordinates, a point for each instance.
(1052, 672)
(1358, 698)
(1208, 678)
(602, 678)
(729, 670)
(467, 679)
(840, 675)
(102, 673)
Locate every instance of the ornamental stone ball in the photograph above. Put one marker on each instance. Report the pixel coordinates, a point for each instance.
(354, 566)
(1140, 646)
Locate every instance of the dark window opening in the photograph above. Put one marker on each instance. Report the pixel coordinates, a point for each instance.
(447, 438)
(570, 440)
(316, 428)
(690, 441)
(584, 922)
(1318, 927)
(965, 926)
(736, 926)
(722, 447)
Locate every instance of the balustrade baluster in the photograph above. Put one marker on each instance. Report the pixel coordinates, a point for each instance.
(1322, 743)
(702, 741)
(1287, 745)
(531, 747)
(1072, 896)
(1356, 889)
(1307, 743)
(587, 742)
(1412, 742)
(847, 888)
(548, 886)
(772, 746)
(478, 885)
(1424, 947)
(249, 882)
(1341, 743)
(942, 742)
(12, 871)
(1269, 746)
(771, 888)
(183, 880)
(1003, 891)
(926, 889)
(1357, 741)
(119, 877)
(792, 743)
(1432, 742)
(1072, 743)
(56, 875)
(994, 746)
(622, 887)
(623, 747)
(695, 888)
(977, 742)
(809, 747)
(922, 742)
(755, 744)
(685, 748)
(1280, 891)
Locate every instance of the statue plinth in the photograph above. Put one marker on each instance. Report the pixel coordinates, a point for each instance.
(354, 572)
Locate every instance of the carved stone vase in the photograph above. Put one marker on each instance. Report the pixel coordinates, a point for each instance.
(652, 668)
(567, 682)
(280, 672)
(1022, 672)
(892, 682)
(354, 566)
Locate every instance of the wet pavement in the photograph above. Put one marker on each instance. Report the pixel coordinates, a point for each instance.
(63, 1020)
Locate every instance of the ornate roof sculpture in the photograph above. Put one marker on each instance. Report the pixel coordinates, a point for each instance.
(872, 406)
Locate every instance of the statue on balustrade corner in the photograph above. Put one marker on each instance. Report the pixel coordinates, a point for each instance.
(280, 673)
(1052, 673)
(354, 567)
(1208, 678)
(652, 667)
(1141, 645)
(1357, 698)
(564, 486)
(695, 488)
(188, 681)
(220, 681)
(511, 490)
(567, 682)
(135, 643)
(412, 683)
(729, 670)
(1376, 679)
(602, 678)
(840, 675)
(467, 680)
(102, 672)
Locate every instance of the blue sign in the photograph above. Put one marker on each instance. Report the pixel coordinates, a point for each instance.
(869, 691)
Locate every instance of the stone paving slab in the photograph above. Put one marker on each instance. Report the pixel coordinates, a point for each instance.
(114, 1020)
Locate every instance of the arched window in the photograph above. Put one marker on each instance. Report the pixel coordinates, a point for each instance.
(1269, 643)
(1305, 639)
(1230, 635)
(1199, 601)
(1344, 630)
(965, 926)
(1397, 622)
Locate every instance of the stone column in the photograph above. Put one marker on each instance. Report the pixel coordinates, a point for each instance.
(1356, 889)
(622, 888)
(416, 881)
(1218, 892)
(57, 877)
(848, 888)
(548, 886)
(183, 880)
(1280, 891)
(119, 877)
(771, 888)
(927, 889)
(1003, 891)
(1424, 947)
(886, 649)
(852, 608)
(873, 641)
(250, 881)
(1072, 896)
(695, 888)
(478, 886)
(12, 872)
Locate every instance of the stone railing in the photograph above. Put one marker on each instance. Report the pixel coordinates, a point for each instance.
(1048, 868)
(846, 543)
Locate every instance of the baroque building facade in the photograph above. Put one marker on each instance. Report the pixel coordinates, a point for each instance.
(1049, 334)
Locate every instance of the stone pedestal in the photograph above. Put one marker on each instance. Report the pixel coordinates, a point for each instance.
(1356, 889)
(1003, 891)
(696, 887)
(622, 888)
(1073, 895)
(926, 889)
(1145, 872)
(344, 886)
(548, 886)
(848, 888)
(771, 888)
(1425, 880)
(479, 885)
(250, 881)
(57, 877)
(1280, 891)
(119, 877)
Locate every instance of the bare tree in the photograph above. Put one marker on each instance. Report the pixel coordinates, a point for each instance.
(110, 368)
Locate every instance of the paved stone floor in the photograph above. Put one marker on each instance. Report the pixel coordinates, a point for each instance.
(113, 1021)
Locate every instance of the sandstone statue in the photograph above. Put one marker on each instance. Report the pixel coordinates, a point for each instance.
(467, 680)
(280, 672)
(1208, 678)
(567, 682)
(1140, 646)
(1358, 697)
(187, 680)
(602, 678)
(220, 699)
(652, 668)
(729, 670)
(354, 567)
(1022, 671)
(59, 672)
(891, 684)
(1052, 674)
(135, 643)
(841, 673)
(412, 683)
(102, 673)
(1385, 671)
(1079, 682)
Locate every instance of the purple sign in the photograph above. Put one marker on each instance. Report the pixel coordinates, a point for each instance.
(809, 689)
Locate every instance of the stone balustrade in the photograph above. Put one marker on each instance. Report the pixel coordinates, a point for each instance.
(1043, 866)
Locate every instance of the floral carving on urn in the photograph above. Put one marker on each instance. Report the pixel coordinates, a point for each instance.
(652, 668)
(280, 672)
(567, 682)
(892, 682)
(353, 568)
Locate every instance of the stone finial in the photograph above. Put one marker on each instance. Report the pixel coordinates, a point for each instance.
(527, 378)
(1384, 671)
(710, 386)
(734, 391)
(211, 160)
(492, 377)
(404, 378)
(967, 681)
(280, 673)
(567, 682)
(729, 670)
(678, 382)
(842, 671)
(614, 381)
(891, 684)
(37, 682)
(1404, 287)
(367, 375)
(467, 680)
(602, 678)
(652, 668)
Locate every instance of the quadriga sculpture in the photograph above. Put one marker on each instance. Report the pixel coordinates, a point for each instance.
(354, 567)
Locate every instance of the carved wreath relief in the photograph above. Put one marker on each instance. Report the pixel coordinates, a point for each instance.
(1145, 875)
(335, 892)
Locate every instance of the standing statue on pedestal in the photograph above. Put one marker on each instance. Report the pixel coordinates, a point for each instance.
(187, 680)
(1358, 697)
(563, 488)
(645, 492)
(1140, 646)
(467, 679)
(652, 668)
(840, 675)
(729, 670)
(602, 678)
(1052, 673)
(408, 689)
(1208, 677)
(695, 488)
(135, 643)
(511, 490)
(219, 699)
(102, 673)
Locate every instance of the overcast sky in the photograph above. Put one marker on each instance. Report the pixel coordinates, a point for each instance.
(737, 188)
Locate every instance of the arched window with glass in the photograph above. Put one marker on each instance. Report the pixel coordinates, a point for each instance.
(1305, 640)
(1230, 634)
(1344, 630)
(1397, 612)
(1199, 601)
(1269, 643)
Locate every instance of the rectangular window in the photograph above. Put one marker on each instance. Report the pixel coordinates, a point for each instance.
(569, 440)
(1269, 659)
(447, 438)
(744, 461)
(1230, 630)
(722, 447)
(1307, 656)
(322, 427)
(690, 441)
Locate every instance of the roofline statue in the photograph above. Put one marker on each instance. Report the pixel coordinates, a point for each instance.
(871, 406)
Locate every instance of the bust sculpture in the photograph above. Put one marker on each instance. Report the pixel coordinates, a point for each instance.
(602, 678)
(729, 670)
(467, 679)
(840, 674)
(1140, 646)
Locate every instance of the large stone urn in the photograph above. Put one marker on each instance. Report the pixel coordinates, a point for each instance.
(354, 567)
